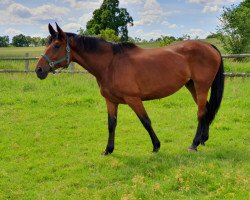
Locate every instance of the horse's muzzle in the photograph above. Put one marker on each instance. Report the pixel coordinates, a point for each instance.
(42, 74)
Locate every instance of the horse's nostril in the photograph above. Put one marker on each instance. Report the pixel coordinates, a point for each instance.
(39, 70)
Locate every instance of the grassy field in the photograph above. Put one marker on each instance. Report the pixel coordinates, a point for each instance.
(52, 133)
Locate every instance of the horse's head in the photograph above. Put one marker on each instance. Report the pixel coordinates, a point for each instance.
(56, 55)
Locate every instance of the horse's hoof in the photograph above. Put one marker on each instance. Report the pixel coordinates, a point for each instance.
(192, 148)
(155, 150)
(108, 151)
(203, 143)
(105, 153)
(156, 147)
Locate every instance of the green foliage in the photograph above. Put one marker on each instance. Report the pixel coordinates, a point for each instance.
(38, 41)
(4, 41)
(81, 31)
(109, 34)
(53, 132)
(26, 41)
(186, 37)
(166, 40)
(235, 28)
(20, 41)
(214, 35)
(110, 16)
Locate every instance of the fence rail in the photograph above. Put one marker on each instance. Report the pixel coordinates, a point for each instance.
(236, 56)
(73, 71)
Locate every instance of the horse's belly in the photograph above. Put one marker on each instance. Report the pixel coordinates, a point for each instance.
(162, 85)
(155, 92)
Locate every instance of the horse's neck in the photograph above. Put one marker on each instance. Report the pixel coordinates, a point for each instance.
(95, 63)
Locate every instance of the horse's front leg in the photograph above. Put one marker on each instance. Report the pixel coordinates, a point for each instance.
(136, 104)
(112, 120)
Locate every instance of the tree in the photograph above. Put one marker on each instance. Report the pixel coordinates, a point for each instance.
(213, 35)
(186, 37)
(235, 28)
(110, 16)
(20, 41)
(4, 41)
(109, 34)
(44, 41)
(36, 41)
(166, 40)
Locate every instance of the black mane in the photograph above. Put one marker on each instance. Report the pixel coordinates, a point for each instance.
(92, 44)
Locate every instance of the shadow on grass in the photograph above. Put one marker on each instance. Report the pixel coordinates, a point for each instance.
(167, 161)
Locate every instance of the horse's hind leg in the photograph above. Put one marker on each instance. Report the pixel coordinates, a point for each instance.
(136, 104)
(200, 97)
(190, 86)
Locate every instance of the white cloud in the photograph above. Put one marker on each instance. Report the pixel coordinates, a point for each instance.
(172, 26)
(197, 32)
(207, 9)
(129, 2)
(49, 12)
(4, 2)
(85, 18)
(169, 25)
(151, 13)
(212, 2)
(94, 4)
(84, 4)
(149, 34)
(212, 5)
(16, 13)
(12, 32)
(71, 27)
(18, 10)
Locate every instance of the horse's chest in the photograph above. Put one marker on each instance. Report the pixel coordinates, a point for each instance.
(110, 94)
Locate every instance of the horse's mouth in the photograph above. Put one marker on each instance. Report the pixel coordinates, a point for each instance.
(41, 74)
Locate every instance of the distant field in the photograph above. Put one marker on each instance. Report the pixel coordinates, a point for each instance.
(230, 65)
(52, 133)
(20, 51)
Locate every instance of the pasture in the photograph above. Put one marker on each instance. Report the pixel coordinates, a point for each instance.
(52, 133)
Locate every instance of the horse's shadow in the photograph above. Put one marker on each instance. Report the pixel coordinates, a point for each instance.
(164, 162)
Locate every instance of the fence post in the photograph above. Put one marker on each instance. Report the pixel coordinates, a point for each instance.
(72, 67)
(27, 63)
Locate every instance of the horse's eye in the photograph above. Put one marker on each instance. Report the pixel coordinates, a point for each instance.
(56, 46)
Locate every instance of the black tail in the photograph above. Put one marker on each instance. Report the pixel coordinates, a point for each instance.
(217, 89)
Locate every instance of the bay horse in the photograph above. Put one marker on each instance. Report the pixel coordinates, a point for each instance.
(128, 74)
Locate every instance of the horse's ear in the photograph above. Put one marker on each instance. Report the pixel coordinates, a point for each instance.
(60, 32)
(51, 30)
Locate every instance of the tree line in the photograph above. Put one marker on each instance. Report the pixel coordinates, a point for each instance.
(22, 41)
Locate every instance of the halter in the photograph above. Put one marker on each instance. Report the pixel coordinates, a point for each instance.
(53, 63)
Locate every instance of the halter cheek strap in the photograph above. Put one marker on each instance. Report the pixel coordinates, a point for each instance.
(65, 58)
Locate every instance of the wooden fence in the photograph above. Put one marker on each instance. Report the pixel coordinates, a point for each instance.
(71, 68)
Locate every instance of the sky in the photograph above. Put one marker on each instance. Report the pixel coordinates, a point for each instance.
(152, 18)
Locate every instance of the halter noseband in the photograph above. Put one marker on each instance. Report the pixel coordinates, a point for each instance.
(53, 63)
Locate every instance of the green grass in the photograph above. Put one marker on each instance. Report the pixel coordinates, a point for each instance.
(20, 51)
(52, 133)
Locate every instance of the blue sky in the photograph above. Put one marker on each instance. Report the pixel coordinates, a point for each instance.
(152, 18)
